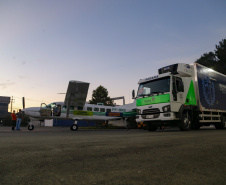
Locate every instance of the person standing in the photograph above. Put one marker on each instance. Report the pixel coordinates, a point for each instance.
(19, 119)
(14, 118)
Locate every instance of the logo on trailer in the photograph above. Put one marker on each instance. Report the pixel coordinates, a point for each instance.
(208, 90)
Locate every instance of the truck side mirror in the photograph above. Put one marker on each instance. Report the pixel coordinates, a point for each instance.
(133, 94)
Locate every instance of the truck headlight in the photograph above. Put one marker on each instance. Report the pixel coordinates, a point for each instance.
(166, 108)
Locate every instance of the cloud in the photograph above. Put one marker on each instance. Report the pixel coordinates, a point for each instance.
(6, 85)
(21, 77)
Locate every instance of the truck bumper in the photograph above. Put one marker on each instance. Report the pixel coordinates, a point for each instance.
(162, 117)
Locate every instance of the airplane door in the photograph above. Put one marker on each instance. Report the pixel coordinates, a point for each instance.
(44, 110)
(57, 110)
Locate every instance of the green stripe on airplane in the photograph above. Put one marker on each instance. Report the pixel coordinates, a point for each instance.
(83, 113)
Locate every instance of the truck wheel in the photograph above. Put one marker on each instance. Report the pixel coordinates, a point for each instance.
(222, 124)
(185, 123)
(74, 127)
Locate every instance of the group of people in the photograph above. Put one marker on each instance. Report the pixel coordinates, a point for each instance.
(17, 119)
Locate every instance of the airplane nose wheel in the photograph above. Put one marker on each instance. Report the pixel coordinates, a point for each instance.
(30, 127)
(74, 127)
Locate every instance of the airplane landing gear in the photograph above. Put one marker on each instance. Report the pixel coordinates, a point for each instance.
(30, 127)
(74, 127)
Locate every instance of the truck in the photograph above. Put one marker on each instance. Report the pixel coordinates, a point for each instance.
(185, 95)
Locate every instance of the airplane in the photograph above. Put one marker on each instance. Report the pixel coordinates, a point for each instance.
(78, 109)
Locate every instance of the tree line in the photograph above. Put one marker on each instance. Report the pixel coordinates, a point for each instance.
(216, 59)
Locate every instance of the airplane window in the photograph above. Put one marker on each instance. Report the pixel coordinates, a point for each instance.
(96, 109)
(102, 110)
(51, 105)
(89, 109)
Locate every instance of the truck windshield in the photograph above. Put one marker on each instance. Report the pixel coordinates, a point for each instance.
(161, 85)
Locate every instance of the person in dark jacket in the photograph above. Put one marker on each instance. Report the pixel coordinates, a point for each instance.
(19, 119)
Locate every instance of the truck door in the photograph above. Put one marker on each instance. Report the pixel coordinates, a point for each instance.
(177, 92)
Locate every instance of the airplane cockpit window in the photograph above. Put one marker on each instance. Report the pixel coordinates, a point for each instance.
(51, 105)
(71, 108)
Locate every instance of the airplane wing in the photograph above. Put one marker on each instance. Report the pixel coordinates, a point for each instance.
(76, 94)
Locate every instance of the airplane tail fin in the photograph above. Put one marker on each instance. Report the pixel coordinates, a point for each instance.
(76, 93)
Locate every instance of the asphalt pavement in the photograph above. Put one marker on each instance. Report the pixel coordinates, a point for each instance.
(60, 156)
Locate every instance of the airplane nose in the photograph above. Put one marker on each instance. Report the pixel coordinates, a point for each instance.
(23, 110)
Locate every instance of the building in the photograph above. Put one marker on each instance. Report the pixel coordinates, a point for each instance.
(4, 103)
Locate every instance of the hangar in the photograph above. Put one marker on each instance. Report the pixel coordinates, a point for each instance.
(4, 103)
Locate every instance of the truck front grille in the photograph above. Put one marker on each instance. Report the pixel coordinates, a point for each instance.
(151, 111)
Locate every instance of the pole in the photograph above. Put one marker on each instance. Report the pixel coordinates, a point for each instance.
(68, 105)
(12, 104)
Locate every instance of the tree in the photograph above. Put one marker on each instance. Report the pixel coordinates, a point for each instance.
(100, 95)
(7, 121)
(208, 60)
(215, 60)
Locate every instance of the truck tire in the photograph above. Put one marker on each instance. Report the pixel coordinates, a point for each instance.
(185, 123)
(222, 124)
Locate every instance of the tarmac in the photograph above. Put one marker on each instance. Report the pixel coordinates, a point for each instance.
(56, 155)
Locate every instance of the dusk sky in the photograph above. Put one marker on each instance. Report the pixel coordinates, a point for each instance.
(46, 43)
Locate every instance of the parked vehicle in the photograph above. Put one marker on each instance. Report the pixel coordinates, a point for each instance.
(185, 95)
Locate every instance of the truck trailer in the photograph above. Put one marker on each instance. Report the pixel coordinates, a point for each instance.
(185, 95)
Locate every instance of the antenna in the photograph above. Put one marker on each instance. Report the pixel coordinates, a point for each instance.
(12, 101)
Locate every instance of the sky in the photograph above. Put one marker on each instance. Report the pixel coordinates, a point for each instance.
(46, 43)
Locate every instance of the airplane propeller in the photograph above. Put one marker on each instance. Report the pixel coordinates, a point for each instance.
(23, 102)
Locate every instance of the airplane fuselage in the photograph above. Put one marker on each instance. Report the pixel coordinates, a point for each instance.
(88, 112)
